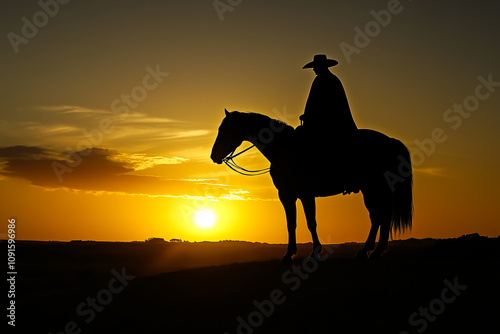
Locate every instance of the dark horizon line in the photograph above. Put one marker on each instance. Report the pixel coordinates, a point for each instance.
(175, 241)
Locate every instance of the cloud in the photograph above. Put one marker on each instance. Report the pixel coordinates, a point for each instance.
(64, 125)
(101, 170)
(435, 171)
(24, 152)
(142, 161)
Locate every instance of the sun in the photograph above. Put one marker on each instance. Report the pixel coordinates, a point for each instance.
(205, 218)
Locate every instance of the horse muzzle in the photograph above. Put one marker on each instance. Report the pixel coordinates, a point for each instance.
(217, 160)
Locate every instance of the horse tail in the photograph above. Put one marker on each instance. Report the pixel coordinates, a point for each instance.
(402, 190)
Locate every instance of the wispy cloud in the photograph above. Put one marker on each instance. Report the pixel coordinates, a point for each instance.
(435, 171)
(63, 125)
(105, 171)
(34, 145)
(67, 109)
(142, 161)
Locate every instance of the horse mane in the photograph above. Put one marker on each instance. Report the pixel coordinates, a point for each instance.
(263, 121)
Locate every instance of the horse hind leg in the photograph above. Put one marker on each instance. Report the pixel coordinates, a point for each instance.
(378, 204)
(369, 244)
(382, 216)
(383, 239)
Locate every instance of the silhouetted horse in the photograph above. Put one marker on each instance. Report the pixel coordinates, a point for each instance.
(380, 167)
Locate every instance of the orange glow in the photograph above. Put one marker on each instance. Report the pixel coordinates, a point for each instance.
(139, 169)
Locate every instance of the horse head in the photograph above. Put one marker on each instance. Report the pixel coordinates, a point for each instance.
(231, 135)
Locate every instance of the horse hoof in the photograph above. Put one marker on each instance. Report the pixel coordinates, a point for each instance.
(316, 254)
(313, 256)
(361, 256)
(287, 260)
(375, 255)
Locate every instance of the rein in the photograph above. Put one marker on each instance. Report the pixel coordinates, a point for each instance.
(238, 169)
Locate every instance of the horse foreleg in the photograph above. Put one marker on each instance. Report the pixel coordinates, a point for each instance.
(289, 203)
(309, 204)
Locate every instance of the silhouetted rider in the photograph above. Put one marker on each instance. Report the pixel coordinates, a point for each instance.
(328, 124)
(327, 109)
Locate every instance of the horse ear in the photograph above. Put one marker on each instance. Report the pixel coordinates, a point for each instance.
(226, 112)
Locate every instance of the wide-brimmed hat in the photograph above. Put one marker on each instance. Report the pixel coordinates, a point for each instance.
(321, 61)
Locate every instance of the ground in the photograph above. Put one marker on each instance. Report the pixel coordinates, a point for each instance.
(444, 286)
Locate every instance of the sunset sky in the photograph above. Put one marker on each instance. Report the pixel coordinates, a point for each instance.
(138, 89)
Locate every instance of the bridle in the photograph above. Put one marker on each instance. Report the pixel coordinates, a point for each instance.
(238, 169)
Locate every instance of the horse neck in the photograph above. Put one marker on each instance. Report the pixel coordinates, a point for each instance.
(268, 139)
